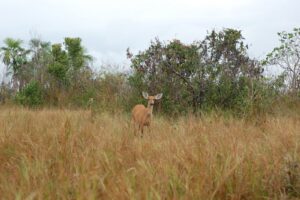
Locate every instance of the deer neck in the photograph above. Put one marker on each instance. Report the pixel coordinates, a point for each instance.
(150, 108)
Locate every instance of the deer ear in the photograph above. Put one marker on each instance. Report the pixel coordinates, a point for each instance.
(145, 95)
(158, 96)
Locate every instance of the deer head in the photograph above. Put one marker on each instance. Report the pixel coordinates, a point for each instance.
(151, 99)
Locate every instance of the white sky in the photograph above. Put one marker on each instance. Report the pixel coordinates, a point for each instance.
(109, 27)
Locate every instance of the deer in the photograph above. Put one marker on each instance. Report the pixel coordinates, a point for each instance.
(141, 115)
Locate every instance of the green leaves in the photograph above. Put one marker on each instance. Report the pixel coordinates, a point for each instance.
(59, 71)
(13, 43)
(75, 52)
(59, 67)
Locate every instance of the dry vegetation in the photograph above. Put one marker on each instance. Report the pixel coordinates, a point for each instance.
(61, 154)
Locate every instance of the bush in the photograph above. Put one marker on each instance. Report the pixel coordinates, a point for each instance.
(30, 95)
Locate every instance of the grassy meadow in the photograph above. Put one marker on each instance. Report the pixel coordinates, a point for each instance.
(63, 154)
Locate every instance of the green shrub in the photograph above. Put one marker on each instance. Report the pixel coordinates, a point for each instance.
(30, 95)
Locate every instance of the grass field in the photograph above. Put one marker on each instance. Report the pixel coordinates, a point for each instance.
(62, 154)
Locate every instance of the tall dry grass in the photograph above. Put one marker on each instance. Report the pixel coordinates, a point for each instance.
(62, 154)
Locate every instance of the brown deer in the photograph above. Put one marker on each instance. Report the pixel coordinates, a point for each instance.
(141, 115)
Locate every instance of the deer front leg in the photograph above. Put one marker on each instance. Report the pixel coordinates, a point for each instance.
(139, 129)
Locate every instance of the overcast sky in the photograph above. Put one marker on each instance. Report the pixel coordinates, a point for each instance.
(109, 27)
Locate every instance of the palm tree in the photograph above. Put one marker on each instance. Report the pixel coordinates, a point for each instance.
(15, 59)
(40, 58)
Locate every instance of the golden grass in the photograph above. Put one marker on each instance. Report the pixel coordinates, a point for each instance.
(61, 154)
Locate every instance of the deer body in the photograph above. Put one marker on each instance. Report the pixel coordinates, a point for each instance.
(141, 115)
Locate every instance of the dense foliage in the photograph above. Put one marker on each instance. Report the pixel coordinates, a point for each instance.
(214, 73)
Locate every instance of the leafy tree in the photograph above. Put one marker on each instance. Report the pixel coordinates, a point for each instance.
(287, 56)
(166, 68)
(68, 60)
(59, 67)
(213, 72)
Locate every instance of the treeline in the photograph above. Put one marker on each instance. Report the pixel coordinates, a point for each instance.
(214, 73)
